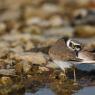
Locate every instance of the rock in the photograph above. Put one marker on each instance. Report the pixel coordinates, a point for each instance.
(11, 9)
(7, 72)
(2, 28)
(3, 52)
(6, 81)
(84, 31)
(11, 25)
(50, 41)
(33, 21)
(19, 68)
(91, 4)
(83, 16)
(22, 67)
(26, 67)
(4, 44)
(34, 29)
(29, 45)
(15, 37)
(29, 77)
(56, 21)
(60, 32)
(37, 2)
(50, 8)
(10, 15)
(90, 18)
(45, 24)
(17, 49)
(37, 21)
(34, 58)
(52, 65)
(83, 2)
(2, 64)
(81, 12)
(43, 69)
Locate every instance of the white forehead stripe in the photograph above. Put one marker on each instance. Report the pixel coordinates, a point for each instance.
(68, 44)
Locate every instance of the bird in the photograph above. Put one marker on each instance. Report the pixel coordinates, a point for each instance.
(87, 54)
(64, 53)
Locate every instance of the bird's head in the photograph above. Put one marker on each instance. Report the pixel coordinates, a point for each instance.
(73, 45)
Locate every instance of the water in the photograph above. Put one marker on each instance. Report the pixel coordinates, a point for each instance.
(48, 91)
(86, 91)
(42, 91)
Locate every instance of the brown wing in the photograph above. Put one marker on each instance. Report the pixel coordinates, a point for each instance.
(61, 52)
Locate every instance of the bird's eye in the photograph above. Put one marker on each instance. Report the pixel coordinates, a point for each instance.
(77, 47)
(72, 45)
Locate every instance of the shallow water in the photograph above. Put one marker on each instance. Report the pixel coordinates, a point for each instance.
(86, 91)
(48, 91)
(50, 84)
(42, 91)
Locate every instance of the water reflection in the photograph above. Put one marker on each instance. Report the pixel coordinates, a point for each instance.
(42, 91)
(86, 91)
(48, 84)
(48, 91)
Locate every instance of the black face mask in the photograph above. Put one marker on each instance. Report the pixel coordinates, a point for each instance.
(76, 52)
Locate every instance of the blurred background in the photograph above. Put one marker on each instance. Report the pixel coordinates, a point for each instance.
(48, 17)
(27, 29)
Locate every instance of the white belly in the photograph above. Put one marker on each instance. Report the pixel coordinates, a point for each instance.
(62, 64)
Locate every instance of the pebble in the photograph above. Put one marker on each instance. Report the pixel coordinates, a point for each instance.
(6, 81)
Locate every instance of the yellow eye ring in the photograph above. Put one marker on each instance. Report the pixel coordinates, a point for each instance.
(73, 46)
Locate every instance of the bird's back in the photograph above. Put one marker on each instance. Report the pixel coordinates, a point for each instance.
(60, 51)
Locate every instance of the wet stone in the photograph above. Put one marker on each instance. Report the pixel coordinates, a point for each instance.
(7, 72)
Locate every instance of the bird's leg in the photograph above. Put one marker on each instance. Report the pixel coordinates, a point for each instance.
(75, 79)
(75, 75)
(64, 74)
